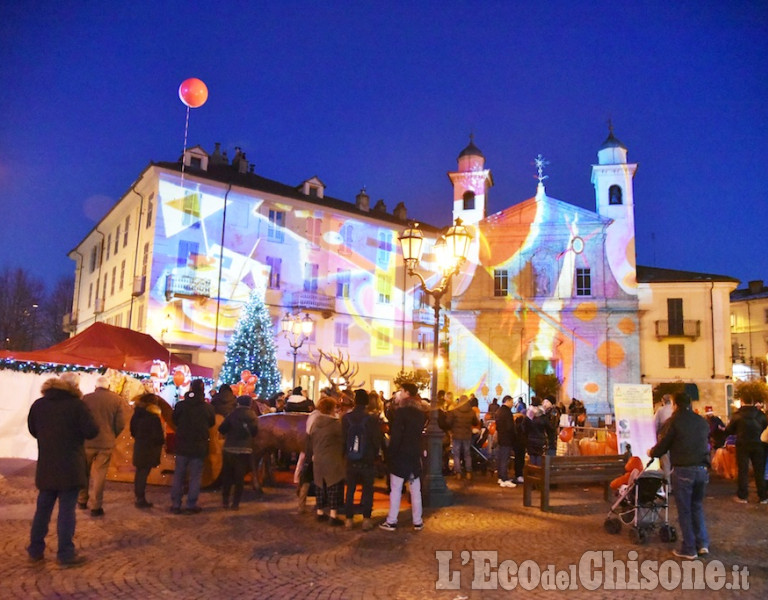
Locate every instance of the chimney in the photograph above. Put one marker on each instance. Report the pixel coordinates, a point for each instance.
(239, 162)
(756, 286)
(380, 207)
(363, 201)
(217, 158)
(400, 212)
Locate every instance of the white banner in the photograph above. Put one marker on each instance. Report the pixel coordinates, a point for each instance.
(633, 405)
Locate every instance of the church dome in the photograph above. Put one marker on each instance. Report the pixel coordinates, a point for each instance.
(612, 142)
(471, 150)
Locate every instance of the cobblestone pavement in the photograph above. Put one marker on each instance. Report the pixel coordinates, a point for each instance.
(268, 550)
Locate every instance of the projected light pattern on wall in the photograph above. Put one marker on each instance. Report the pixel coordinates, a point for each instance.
(542, 298)
(312, 258)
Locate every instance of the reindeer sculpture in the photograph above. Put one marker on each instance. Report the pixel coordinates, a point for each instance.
(341, 376)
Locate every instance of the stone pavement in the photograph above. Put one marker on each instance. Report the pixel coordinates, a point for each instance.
(268, 550)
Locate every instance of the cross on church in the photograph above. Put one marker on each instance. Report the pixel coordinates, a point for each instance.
(540, 164)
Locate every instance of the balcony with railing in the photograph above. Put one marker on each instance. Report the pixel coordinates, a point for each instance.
(186, 286)
(426, 316)
(678, 329)
(306, 300)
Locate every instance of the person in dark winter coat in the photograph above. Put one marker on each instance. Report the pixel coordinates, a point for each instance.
(520, 442)
(505, 440)
(298, 402)
(61, 422)
(461, 420)
(238, 428)
(404, 456)
(193, 418)
(361, 470)
(148, 439)
(224, 400)
(686, 438)
(537, 427)
(747, 424)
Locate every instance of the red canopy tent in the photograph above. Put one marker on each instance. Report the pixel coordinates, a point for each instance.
(107, 346)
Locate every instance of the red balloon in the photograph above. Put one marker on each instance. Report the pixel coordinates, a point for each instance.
(566, 434)
(244, 375)
(193, 92)
(252, 379)
(178, 378)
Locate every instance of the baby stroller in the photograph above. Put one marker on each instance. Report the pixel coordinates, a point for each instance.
(643, 504)
(480, 451)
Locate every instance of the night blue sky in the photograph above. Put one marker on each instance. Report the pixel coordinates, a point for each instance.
(384, 95)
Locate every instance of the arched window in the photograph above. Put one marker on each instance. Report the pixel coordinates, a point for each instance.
(614, 195)
(469, 200)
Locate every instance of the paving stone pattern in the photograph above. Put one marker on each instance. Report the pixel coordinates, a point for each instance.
(268, 550)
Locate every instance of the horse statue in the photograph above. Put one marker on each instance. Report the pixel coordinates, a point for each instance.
(285, 432)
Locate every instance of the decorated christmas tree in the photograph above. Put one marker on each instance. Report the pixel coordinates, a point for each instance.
(252, 348)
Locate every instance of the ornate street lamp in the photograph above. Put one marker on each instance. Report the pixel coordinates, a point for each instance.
(451, 251)
(297, 330)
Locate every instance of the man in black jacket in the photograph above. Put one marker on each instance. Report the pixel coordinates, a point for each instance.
(361, 452)
(61, 422)
(505, 438)
(193, 418)
(747, 424)
(686, 438)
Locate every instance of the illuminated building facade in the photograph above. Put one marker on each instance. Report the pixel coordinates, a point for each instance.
(749, 331)
(179, 254)
(550, 288)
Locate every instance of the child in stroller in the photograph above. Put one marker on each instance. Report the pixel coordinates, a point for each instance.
(642, 502)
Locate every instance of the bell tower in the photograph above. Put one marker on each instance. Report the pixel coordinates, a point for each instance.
(471, 182)
(613, 178)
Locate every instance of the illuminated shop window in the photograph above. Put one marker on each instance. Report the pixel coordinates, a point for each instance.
(342, 283)
(276, 222)
(311, 271)
(614, 195)
(500, 282)
(341, 334)
(469, 200)
(676, 356)
(583, 282)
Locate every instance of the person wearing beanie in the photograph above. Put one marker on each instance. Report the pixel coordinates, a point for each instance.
(224, 400)
(519, 441)
(297, 402)
(60, 421)
(193, 418)
(362, 435)
(148, 438)
(107, 409)
(238, 427)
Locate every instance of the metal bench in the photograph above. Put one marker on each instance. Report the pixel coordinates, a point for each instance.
(556, 470)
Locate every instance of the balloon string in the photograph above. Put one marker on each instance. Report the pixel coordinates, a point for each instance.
(184, 151)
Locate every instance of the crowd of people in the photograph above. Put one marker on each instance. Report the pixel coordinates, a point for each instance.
(351, 436)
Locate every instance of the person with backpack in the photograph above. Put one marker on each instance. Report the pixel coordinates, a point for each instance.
(362, 435)
(238, 427)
